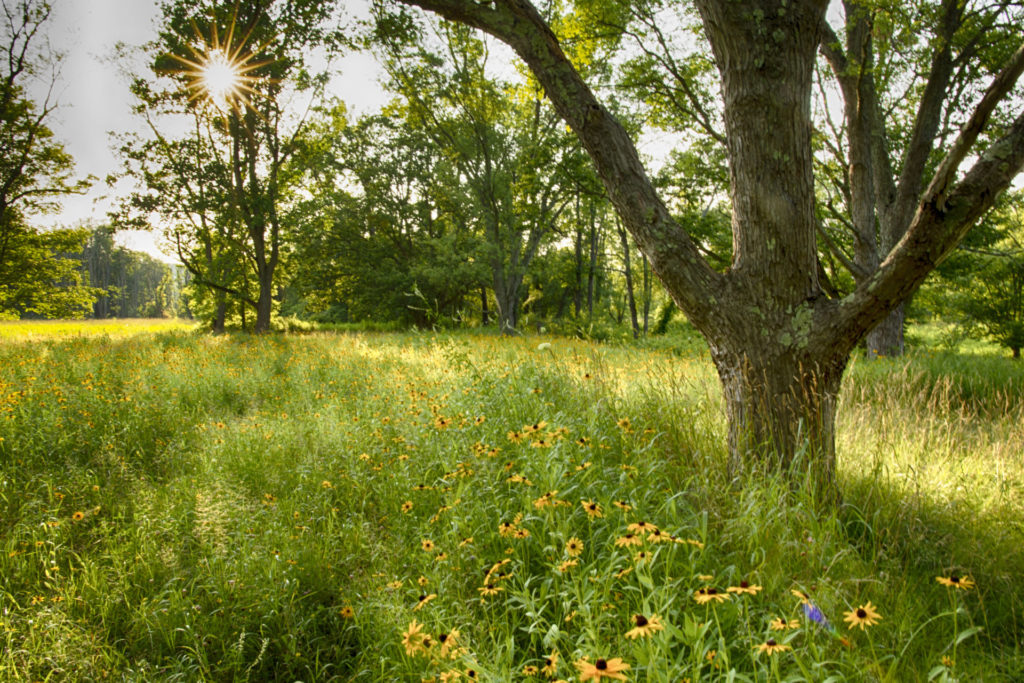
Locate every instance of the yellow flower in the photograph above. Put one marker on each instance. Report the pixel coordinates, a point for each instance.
(427, 545)
(955, 581)
(865, 615)
(623, 505)
(406, 506)
(644, 626)
(574, 547)
(490, 589)
(641, 527)
(602, 668)
(414, 638)
(550, 664)
(744, 587)
(771, 647)
(424, 599)
(535, 427)
(709, 594)
(347, 612)
(530, 670)
(568, 564)
(624, 425)
(781, 624)
(592, 508)
(78, 516)
(449, 642)
(628, 540)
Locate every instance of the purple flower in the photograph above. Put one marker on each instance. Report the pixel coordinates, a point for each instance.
(814, 614)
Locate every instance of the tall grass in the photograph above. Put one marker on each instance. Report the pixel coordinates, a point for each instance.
(182, 507)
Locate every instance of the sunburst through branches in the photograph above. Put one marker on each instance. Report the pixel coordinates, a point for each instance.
(222, 71)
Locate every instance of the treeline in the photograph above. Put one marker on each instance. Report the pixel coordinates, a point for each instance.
(82, 273)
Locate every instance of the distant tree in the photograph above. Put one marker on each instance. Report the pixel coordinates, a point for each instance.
(981, 285)
(130, 284)
(242, 72)
(35, 170)
(47, 281)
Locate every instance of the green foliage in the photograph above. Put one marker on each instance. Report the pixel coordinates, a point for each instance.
(190, 507)
(40, 275)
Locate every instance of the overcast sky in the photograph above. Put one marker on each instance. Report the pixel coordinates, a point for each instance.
(94, 98)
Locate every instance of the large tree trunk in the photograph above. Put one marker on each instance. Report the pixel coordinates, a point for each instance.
(781, 410)
(265, 302)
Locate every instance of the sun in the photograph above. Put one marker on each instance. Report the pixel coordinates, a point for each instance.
(220, 79)
(221, 71)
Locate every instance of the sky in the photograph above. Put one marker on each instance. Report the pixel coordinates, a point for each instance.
(92, 92)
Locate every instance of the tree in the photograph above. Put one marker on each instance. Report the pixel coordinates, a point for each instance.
(34, 168)
(983, 281)
(505, 143)
(235, 171)
(779, 340)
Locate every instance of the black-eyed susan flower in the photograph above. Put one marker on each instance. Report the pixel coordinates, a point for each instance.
(624, 424)
(956, 581)
(628, 540)
(521, 533)
(490, 589)
(466, 541)
(602, 668)
(770, 647)
(642, 556)
(347, 612)
(709, 594)
(422, 581)
(574, 547)
(592, 508)
(865, 615)
(413, 639)
(395, 585)
(658, 536)
(506, 529)
(641, 527)
(514, 436)
(406, 506)
(535, 427)
(424, 599)
(449, 643)
(550, 667)
(427, 545)
(783, 624)
(530, 670)
(744, 588)
(622, 505)
(78, 516)
(582, 441)
(567, 565)
(644, 626)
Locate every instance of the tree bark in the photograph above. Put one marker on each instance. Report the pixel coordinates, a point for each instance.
(885, 340)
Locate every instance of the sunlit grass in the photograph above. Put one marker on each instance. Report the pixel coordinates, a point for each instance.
(113, 327)
(186, 507)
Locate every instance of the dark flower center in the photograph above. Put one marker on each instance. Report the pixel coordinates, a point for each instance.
(443, 637)
(954, 579)
(422, 598)
(600, 665)
(861, 613)
(640, 620)
(744, 584)
(490, 586)
(771, 642)
(712, 591)
(548, 662)
(471, 673)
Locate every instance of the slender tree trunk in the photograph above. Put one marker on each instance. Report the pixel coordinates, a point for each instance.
(578, 253)
(631, 299)
(592, 272)
(265, 303)
(485, 316)
(219, 312)
(647, 293)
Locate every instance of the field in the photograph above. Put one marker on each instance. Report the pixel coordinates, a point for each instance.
(408, 507)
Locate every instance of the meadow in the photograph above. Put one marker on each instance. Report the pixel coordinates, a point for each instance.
(433, 507)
